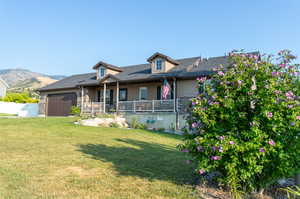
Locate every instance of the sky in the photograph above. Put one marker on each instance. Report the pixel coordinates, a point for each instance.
(65, 37)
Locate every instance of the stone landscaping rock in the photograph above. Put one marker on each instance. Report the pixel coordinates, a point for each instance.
(105, 122)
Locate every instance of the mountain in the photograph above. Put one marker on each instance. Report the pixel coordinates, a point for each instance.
(21, 79)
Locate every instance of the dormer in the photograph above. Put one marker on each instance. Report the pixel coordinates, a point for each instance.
(103, 69)
(161, 63)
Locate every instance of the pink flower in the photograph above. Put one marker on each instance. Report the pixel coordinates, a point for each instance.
(231, 142)
(298, 117)
(194, 124)
(275, 74)
(262, 150)
(289, 95)
(185, 150)
(221, 73)
(282, 65)
(201, 79)
(269, 114)
(214, 148)
(290, 106)
(216, 103)
(194, 103)
(201, 171)
(222, 137)
(215, 157)
(277, 92)
(240, 82)
(271, 142)
(221, 149)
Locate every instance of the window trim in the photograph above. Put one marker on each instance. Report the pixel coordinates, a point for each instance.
(100, 72)
(161, 64)
(140, 92)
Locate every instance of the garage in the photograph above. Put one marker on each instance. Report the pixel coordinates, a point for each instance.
(60, 104)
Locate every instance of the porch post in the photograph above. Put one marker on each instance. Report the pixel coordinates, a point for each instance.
(104, 97)
(174, 94)
(117, 95)
(82, 95)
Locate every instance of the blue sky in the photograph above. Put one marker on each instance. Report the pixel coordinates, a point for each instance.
(69, 37)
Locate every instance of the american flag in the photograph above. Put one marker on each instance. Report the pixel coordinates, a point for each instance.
(166, 90)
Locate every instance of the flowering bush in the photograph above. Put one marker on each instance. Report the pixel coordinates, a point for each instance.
(245, 124)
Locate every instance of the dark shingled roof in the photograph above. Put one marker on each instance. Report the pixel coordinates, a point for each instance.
(157, 54)
(110, 66)
(186, 68)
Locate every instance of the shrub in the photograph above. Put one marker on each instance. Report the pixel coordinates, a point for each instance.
(105, 115)
(136, 125)
(75, 110)
(245, 125)
(19, 98)
(115, 125)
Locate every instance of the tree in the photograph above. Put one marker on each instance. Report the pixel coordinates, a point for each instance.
(246, 124)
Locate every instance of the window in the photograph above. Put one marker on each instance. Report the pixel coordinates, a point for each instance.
(123, 94)
(102, 72)
(98, 96)
(158, 93)
(158, 64)
(143, 94)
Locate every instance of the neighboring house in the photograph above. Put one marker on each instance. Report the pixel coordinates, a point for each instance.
(130, 89)
(3, 87)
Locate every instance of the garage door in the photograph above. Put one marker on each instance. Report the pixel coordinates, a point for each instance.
(60, 104)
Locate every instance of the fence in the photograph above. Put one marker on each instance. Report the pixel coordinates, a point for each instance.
(22, 110)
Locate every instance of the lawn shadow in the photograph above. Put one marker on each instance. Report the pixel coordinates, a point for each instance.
(143, 159)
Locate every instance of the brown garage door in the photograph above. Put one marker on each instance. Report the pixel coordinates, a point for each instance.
(60, 104)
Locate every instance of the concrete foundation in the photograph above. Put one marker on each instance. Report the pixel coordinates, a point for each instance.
(167, 121)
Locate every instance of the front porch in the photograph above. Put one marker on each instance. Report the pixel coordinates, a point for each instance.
(138, 97)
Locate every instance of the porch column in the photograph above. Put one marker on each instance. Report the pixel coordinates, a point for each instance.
(117, 95)
(104, 97)
(82, 100)
(174, 95)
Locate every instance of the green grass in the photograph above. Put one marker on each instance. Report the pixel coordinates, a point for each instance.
(53, 158)
(5, 114)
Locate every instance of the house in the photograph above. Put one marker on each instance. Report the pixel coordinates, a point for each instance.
(134, 90)
(3, 87)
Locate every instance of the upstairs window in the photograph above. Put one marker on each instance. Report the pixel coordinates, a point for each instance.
(158, 64)
(102, 72)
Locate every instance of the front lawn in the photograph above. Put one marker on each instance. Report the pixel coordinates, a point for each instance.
(54, 159)
(6, 114)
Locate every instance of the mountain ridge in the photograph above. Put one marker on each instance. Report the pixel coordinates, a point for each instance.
(21, 80)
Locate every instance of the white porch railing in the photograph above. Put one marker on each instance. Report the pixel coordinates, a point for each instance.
(147, 106)
(139, 106)
(92, 108)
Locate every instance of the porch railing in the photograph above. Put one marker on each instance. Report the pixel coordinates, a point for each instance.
(181, 105)
(92, 108)
(147, 106)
